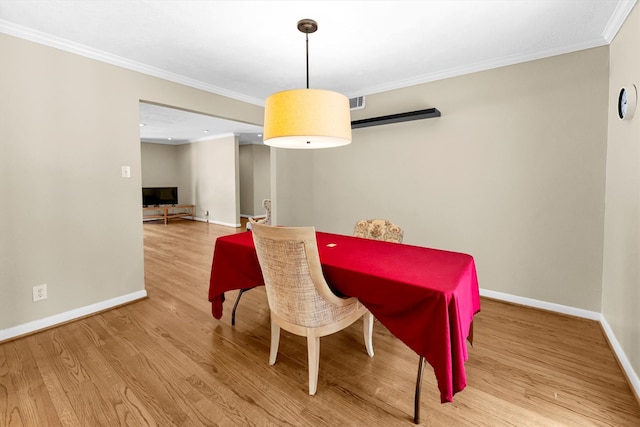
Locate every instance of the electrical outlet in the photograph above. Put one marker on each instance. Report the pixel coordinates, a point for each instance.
(39, 292)
(206, 213)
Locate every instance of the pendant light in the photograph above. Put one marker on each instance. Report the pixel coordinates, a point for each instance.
(307, 118)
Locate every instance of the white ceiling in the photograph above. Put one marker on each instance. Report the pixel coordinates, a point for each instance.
(249, 49)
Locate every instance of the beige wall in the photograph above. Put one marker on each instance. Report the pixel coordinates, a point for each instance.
(68, 124)
(621, 276)
(513, 173)
(292, 189)
(210, 169)
(160, 166)
(255, 178)
(246, 180)
(261, 177)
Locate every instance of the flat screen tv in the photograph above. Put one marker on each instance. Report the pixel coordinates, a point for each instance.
(156, 196)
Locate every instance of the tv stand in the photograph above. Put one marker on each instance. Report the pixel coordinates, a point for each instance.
(167, 212)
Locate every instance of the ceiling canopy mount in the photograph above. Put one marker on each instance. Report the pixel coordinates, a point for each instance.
(307, 26)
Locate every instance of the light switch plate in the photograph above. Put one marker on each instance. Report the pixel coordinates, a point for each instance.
(126, 171)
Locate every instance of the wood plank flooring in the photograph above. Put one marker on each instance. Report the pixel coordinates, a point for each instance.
(166, 361)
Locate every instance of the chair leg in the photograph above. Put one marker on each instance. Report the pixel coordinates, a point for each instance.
(367, 327)
(313, 352)
(275, 342)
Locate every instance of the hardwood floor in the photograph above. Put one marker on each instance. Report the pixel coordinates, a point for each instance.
(166, 361)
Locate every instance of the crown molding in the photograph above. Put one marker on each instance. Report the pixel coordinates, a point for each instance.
(623, 9)
(480, 66)
(78, 49)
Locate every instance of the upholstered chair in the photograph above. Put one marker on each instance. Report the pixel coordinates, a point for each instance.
(378, 229)
(299, 298)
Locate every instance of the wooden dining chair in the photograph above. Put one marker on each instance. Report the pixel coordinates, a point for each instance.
(378, 229)
(266, 203)
(299, 298)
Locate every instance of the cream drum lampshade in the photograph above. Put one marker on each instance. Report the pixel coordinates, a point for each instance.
(307, 119)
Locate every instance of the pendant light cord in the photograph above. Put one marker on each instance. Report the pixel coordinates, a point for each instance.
(307, 36)
(307, 26)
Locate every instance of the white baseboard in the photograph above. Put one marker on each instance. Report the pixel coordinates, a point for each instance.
(57, 319)
(160, 219)
(530, 302)
(631, 374)
(210, 221)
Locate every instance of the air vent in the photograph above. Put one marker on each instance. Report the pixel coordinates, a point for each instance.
(356, 103)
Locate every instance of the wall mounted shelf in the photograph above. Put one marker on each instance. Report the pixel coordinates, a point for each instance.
(396, 118)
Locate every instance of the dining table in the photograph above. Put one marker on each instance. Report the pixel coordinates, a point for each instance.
(425, 297)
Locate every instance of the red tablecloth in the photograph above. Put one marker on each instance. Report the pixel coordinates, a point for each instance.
(425, 297)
